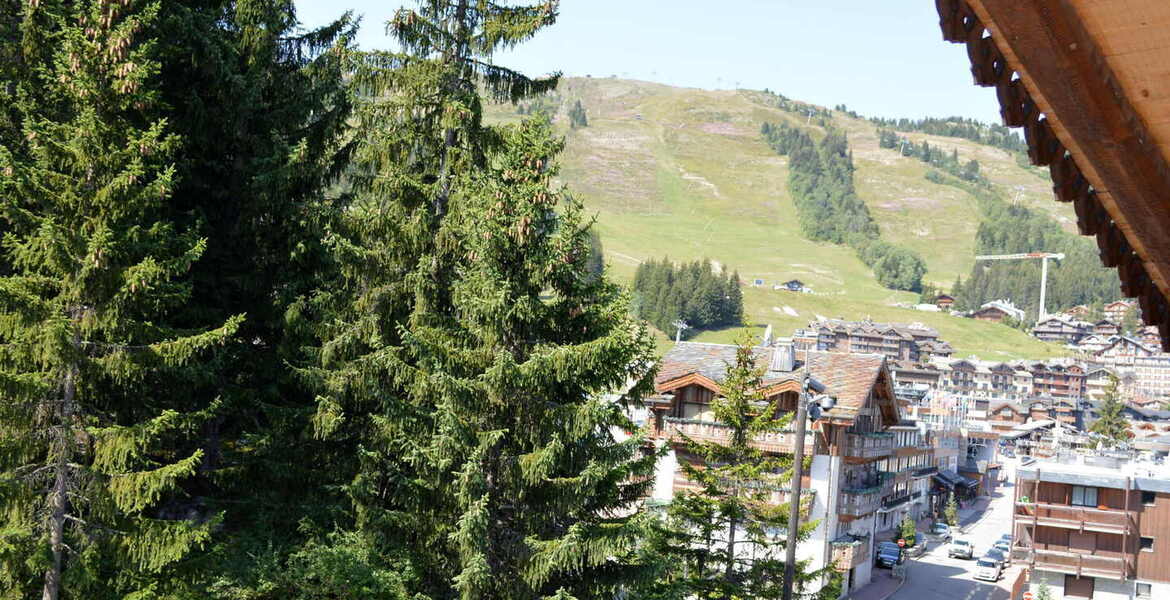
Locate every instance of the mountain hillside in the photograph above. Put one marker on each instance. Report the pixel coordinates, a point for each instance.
(685, 173)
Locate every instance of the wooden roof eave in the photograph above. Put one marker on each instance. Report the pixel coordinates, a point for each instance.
(1044, 65)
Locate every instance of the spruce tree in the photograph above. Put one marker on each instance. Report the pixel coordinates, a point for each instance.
(93, 271)
(1112, 424)
(464, 347)
(726, 540)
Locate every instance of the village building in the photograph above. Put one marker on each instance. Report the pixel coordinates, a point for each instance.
(1106, 328)
(792, 285)
(1093, 526)
(1079, 312)
(1093, 343)
(896, 341)
(1062, 330)
(1115, 311)
(944, 301)
(997, 311)
(868, 468)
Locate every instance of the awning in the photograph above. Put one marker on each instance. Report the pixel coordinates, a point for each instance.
(970, 483)
(947, 478)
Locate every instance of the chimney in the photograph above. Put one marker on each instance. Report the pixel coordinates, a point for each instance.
(783, 356)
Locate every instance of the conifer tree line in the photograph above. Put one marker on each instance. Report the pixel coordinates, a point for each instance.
(820, 179)
(283, 319)
(577, 116)
(1007, 228)
(990, 134)
(693, 292)
(936, 157)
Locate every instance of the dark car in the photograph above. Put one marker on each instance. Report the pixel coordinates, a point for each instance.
(888, 555)
(997, 555)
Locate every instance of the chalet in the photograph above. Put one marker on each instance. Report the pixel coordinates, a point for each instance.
(1097, 382)
(944, 301)
(1006, 415)
(1058, 329)
(1064, 381)
(793, 285)
(1115, 311)
(1079, 312)
(1106, 328)
(895, 341)
(1122, 351)
(997, 311)
(1093, 343)
(849, 445)
(1149, 336)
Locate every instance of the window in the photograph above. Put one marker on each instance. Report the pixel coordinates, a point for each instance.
(1148, 497)
(1084, 496)
(1147, 544)
(1144, 591)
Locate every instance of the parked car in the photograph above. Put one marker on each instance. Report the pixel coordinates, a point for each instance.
(994, 553)
(1007, 537)
(888, 555)
(1005, 547)
(941, 532)
(961, 549)
(988, 569)
(1027, 460)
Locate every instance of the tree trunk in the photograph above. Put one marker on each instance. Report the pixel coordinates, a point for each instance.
(59, 494)
(457, 55)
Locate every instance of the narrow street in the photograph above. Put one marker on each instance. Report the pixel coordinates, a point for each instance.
(935, 575)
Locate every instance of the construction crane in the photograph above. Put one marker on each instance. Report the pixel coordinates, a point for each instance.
(1043, 256)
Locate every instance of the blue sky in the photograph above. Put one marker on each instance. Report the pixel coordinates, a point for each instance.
(879, 57)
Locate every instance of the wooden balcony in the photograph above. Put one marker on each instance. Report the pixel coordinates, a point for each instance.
(849, 553)
(1081, 565)
(868, 445)
(677, 430)
(859, 502)
(1081, 518)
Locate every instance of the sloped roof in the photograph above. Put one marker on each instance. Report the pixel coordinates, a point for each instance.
(848, 377)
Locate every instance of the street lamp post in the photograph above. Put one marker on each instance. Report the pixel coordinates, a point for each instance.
(806, 406)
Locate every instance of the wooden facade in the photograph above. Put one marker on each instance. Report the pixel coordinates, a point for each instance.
(1094, 531)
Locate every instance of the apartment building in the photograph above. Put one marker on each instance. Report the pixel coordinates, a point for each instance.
(1061, 329)
(857, 475)
(1094, 526)
(895, 341)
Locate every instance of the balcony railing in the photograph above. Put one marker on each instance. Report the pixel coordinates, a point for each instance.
(896, 501)
(858, 502)
(925, 471)
(1082, 518)
(705, 431)
(868, 445)
(1073, 563)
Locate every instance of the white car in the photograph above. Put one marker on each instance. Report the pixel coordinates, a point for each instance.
(987, 569)
(960, 548)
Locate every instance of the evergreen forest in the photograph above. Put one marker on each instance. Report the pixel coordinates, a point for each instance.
(665, 293)
(820, 179)
(287, 320)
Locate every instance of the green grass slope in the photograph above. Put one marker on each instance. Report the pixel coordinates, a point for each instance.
(684, 173)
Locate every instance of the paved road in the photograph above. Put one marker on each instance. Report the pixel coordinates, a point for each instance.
(935, 575)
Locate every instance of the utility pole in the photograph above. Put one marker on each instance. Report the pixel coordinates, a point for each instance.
(902, 148)
(1043, 256)
(810, 114)
(807, 406)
